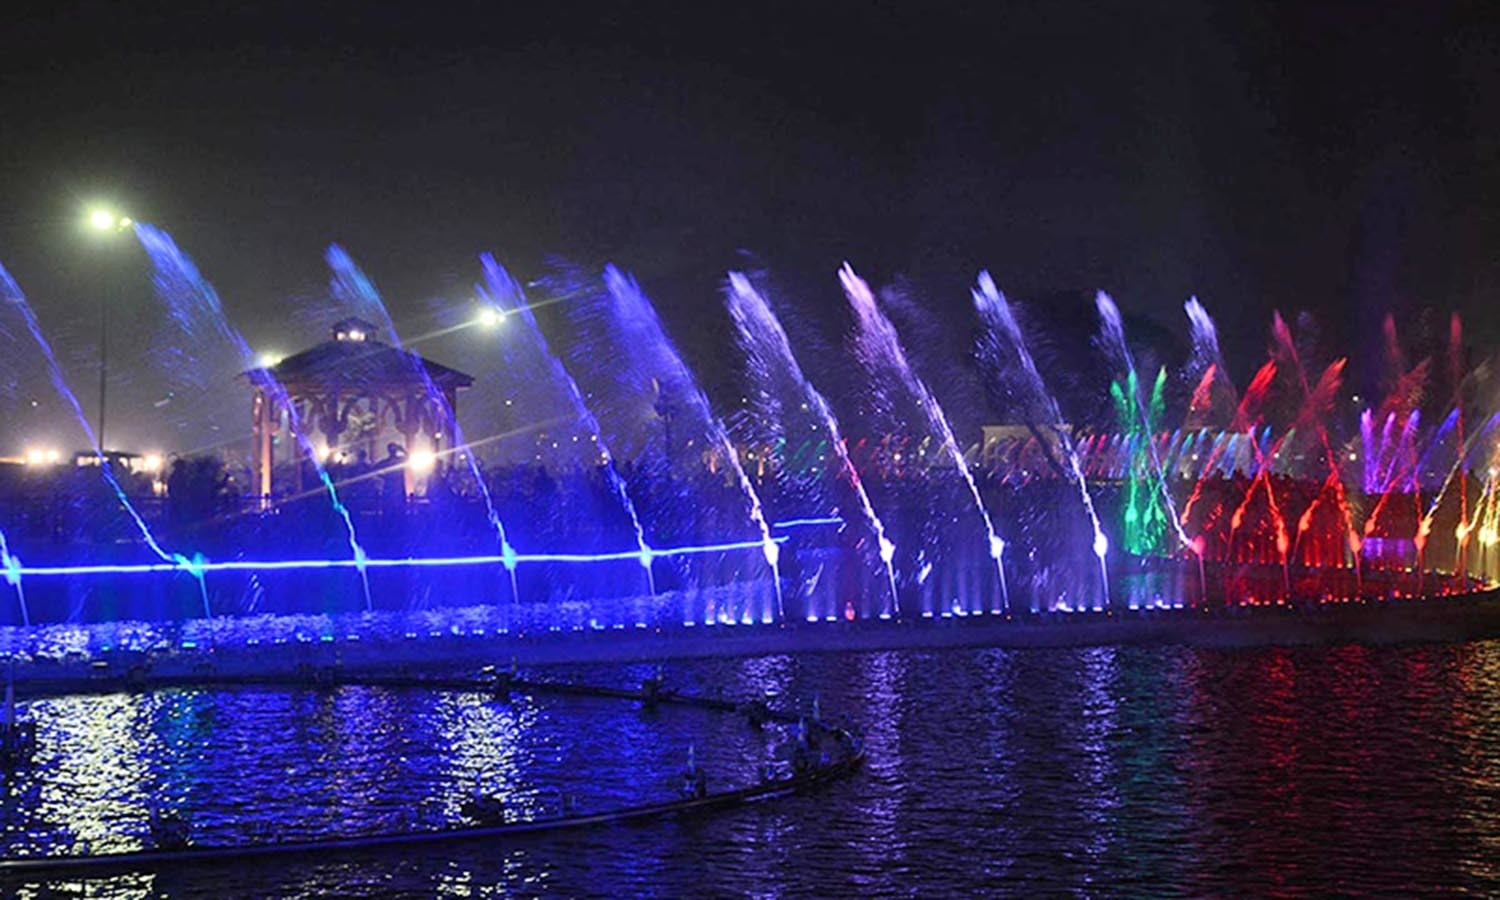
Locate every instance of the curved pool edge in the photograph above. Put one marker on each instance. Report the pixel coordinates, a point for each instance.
(1458, 618)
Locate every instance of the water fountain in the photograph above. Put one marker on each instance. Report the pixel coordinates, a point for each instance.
(879, 348)
(1246, 500)
(510, 299)
(1002, 334)
(352, 287)
(770, 357)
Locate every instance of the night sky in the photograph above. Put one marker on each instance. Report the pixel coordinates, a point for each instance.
(1338, 158)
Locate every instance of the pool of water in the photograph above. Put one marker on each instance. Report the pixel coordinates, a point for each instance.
(1092, 771)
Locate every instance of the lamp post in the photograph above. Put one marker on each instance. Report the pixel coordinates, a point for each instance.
(107, 222)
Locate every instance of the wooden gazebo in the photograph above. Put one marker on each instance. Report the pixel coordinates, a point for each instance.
(351, 393)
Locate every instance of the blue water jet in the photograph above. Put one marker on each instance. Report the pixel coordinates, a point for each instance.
(17, 299)
(637, 320)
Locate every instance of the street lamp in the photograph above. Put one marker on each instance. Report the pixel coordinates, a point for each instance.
(105, 221)
(490, 316)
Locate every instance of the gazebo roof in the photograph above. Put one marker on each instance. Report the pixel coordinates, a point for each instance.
(353, 359)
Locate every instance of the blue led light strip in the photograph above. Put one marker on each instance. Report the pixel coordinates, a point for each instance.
(795, 523)
(200, 567)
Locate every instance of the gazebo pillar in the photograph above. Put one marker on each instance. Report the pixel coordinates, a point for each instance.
(263, 420)
(410, 428)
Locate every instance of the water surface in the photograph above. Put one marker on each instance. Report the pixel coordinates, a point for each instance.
(1084, 772)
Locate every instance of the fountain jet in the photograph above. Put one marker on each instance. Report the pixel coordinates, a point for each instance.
(510, 299)
(636, 321)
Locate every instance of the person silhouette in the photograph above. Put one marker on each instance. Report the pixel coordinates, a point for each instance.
(393, 478)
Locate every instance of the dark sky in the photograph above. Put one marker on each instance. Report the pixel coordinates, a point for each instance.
(1339, 158)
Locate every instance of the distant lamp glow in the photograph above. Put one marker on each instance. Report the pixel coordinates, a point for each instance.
(101, 219)
(422, 462)
(490, 316)
(269, 360)
(151, 462)
(40, 457)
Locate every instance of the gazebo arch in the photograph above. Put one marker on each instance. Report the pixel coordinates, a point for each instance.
(351, 393)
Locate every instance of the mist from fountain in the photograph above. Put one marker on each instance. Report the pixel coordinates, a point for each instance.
(1255, 475)
(16, 299)
(1207, 359)
(638, 326)
(1315, 400)
(12, 572)
(1113, 335)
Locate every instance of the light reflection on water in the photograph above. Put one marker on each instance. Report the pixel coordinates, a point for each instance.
(487, 753)
(1165, 771)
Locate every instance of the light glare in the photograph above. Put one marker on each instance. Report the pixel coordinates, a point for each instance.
(422, 461)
